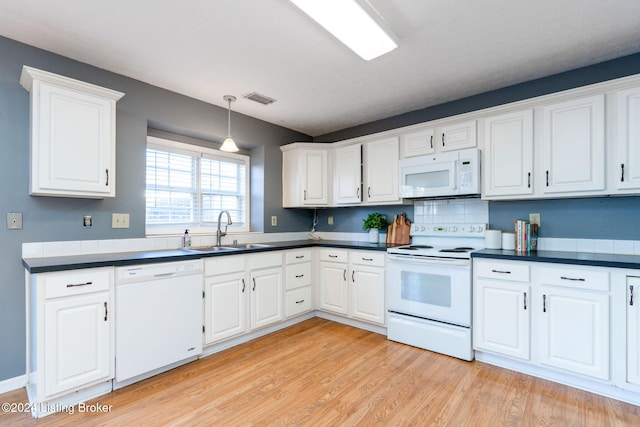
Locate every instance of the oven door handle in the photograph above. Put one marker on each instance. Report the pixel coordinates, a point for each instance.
(428, 260)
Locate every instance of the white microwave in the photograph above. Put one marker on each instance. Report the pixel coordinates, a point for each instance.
(455, 173)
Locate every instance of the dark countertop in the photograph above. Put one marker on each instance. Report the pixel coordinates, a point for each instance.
(119, 259)
(558, 257)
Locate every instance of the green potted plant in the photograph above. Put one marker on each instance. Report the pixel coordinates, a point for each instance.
(373, 223)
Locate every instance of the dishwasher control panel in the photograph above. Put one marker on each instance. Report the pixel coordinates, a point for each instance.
(157, 271)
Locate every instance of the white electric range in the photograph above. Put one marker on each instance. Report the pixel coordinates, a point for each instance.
(429, 288)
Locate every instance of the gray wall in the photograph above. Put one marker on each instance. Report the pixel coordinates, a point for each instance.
(53, 219)
(593, 218)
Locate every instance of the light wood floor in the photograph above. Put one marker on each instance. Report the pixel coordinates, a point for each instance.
(321, 373)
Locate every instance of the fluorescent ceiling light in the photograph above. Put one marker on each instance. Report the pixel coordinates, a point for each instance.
(348, 21)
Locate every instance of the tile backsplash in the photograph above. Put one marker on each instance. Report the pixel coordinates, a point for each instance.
(451, 211)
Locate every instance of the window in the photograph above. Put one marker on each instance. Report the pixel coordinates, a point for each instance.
(188, 186)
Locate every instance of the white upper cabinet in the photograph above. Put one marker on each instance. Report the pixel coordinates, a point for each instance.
(73, 136)
(508, 154)
(381, 171)
(626, 171)
(418, 143)
(305, 175)
(347, 175)
(458, 136)
(574, 146)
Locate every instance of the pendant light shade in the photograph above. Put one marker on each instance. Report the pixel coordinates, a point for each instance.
(229, 144)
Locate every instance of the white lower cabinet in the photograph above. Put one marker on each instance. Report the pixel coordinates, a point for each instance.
(71, 332)
(298, 282)
(352, 283)
(239, 284)
(502, 314)
(225, 289)
(560, 318)
(574, 331)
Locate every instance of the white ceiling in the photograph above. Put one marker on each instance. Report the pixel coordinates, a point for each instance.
(449, 49)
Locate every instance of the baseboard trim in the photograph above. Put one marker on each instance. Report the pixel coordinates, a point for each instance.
(13, 384)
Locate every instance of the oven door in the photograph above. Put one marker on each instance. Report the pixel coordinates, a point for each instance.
(430, 288)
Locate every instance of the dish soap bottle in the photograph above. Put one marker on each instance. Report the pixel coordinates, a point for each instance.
(186, 239)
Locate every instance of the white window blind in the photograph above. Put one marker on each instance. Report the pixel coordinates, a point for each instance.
(188, 186)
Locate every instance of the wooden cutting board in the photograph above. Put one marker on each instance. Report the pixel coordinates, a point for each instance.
(398, 231)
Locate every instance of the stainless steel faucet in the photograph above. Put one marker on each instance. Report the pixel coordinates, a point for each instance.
(221, 233)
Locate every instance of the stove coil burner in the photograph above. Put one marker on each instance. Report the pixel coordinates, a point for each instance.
(457, 250)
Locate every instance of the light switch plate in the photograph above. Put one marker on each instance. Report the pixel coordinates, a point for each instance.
(14, 220)
(120, 220)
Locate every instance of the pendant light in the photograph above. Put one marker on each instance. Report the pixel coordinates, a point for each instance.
(229, 144)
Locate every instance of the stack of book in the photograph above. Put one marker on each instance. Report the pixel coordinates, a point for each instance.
(526, 236)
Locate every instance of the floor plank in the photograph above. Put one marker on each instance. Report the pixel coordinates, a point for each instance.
(322, 373)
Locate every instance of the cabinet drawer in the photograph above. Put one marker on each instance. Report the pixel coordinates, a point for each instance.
(334, 255)
(517, 272)
(298, 275)
(76, 282)
(223, 265)
(265, 259)
(297, 301)
(575, 277)
(298, 256)
(368, 258)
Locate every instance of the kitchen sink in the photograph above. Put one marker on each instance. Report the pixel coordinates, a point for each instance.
(213, 249)
(252, 246)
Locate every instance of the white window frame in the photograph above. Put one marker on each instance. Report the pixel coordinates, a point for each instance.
(200, 152)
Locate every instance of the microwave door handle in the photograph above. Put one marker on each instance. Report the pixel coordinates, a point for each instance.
(453, 176)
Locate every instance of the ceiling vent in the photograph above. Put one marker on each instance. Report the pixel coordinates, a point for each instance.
(262, 99)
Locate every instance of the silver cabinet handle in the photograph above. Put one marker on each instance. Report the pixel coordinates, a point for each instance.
(525, 300)
(547, 173)
(299, 276)
(431, 141)
(344, 275)
(501, 271)
(106, 311)
(74, 285)
(529, 180)
(305, 194)
(358, 193)
(443, 139)
(544, 303)
(353, 279)
(630, 294)
(243, 285)
(369, 192)
(300, 301)
(254, 283)
(106, 171)
(299, 256)
(367, 259)
(622, 172)
(333, 256)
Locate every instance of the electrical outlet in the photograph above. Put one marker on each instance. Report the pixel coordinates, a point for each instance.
(534, 218)
(14, 221)
(119, 220)
(274, 221)
(330, 220)
(87, 221)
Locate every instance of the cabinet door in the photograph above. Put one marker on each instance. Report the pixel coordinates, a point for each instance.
(458, 136)
(633, 330)
(347, 175)
(502, 318)
(315, 176)
(627, 168)
(334, 293)
(73, 147)
(381, 164)
(368, 294)
(573, 149)
(508, 154)
(224, 307)
(417, 143)
(77, 342)
(574, 330)
(266, 297)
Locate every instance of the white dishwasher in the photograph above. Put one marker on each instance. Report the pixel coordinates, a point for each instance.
(158, 315)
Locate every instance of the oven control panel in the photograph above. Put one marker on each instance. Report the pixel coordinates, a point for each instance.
(461, 230)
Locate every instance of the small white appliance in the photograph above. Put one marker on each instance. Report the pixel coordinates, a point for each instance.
(429, 288)
(456, 173)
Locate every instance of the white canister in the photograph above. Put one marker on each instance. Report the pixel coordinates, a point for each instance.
(508, 241)
(493, 239)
